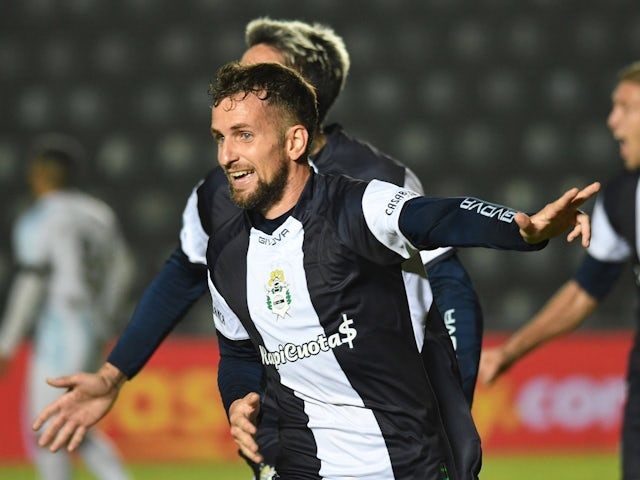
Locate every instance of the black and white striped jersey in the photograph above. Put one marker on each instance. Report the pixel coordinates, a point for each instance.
(323, 299)
(615, 236)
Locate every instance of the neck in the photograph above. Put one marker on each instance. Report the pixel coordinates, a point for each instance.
(298, 177)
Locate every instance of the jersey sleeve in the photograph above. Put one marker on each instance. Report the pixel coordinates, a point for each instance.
(30, 246)
(163, 304)
(193, 237)
(597, 277)
(429, 222)
(239, 370)
(460, 308)
(606, 244)
(382, 203)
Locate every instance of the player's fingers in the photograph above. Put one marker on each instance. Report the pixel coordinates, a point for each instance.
(253, 456)
(63, 436)
(45, 415)
(62, 382)
(582, 228)
(522, 220)
(51, 431)
(585, 194)
(77, 438)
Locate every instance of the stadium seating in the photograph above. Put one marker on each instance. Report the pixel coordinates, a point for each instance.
(497, 99)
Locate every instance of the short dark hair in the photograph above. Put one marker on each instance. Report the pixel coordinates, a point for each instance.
(280, 86)
(314, 50)
(60, 151)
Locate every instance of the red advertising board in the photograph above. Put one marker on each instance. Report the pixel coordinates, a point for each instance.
(567, 396)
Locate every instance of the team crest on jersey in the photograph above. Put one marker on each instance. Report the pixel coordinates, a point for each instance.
(278, 294)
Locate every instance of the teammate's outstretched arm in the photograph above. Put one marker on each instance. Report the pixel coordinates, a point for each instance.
(563, 313)
(89, 397)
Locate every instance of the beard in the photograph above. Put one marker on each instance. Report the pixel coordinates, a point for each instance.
(265, 194)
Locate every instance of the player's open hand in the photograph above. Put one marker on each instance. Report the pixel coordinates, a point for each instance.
(492, 364)
(88, 399)
(559, 216)
(243, 415)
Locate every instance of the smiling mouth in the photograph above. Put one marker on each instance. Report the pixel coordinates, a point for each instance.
(240, 174)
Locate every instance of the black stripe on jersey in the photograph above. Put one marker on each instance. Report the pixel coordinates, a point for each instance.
(225, 248)
(214, 201)
(298, 452)
(620, 205)
(386, 370)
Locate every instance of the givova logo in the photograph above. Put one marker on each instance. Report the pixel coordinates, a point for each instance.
(503, 214)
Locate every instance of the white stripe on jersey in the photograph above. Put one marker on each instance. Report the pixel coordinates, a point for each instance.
(193, 238)
(280, 307)
(420, 297)
(226, 322)
(606, 245)
(381, 204)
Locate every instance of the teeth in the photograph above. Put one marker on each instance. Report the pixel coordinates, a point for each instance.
(240, 173)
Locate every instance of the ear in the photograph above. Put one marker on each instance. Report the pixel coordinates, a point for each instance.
(296, 141)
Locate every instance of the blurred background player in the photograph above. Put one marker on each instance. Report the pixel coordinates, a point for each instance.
(614, 242)
(73, 272)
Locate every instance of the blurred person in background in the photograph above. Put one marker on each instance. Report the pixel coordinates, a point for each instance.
(321, 57)
(73, 272)
(354, 401)
(615, 241)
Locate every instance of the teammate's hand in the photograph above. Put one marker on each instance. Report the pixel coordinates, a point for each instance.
(88, 399)
(558, 216)
(492, 364)
(243, 414)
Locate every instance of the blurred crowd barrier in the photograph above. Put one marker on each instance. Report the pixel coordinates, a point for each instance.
(565, 397)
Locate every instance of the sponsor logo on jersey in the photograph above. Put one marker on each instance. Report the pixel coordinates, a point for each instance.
(218, 314)
(503, 214)
(290, 352)
(278, 294)
(273, 239)
(399, 196)
(450, 322)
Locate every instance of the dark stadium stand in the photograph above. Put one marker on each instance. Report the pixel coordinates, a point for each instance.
(499, 99)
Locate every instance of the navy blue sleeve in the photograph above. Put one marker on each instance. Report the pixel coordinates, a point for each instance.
(597, 277)
(461, 222)
(239, 371)
(163, 304)
(459, 305)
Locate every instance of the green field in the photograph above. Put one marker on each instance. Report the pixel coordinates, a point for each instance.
(560, 467)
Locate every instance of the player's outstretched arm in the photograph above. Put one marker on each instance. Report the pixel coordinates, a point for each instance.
(559, 216)
(563, 313)
(89, 397)
(243, 415)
